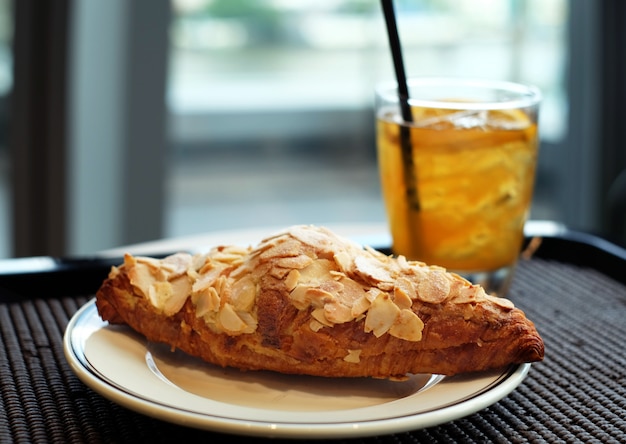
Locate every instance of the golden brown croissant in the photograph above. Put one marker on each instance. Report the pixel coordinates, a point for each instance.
(306, 301)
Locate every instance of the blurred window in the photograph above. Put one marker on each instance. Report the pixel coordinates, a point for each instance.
(270, 101)
(266, 55)
(270, 117)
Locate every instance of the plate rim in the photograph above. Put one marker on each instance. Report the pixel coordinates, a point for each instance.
(496, 390)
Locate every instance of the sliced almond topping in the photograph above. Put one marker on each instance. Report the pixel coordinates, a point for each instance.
(129, 260)
(337, 313)
(404, 293)
(381, 315)
(407, 326)
(315, 325)
(159, 293)
(304, 296)
(318, 297)
(299, 298)
(353, 356)
(153, 263)
(297, 262)
(114, 272)
(319, 238)
(501, 302)
(206, 279)
(240, 271)
(222, 287)
(334, 287)
(231, 322)
(360, 306)
(180, 291)
(286, 248)
(207, 266)
(197, 261)
(435, 288)
(320, 316)
(463, 292)
(344, 261)
(178, 262)
(279, 272)
(160, 270)
(317, 272)
(141, 278)
(337, 275)
(403, 264)
(401, 299)
(193, 274)
(214, 299)
(350, 291)
(385, 286)
(223, 284)
(243, 294)
(371, 269)
(206, 301)
(227, 257)
(292, 280)
(373, 293)
(249, 320)
(230, 255)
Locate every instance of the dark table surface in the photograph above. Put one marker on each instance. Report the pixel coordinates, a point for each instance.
(573, 288)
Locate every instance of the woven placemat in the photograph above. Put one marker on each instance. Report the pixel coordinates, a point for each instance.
(577, 394)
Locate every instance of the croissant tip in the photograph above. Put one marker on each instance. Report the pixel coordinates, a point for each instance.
(533, 351)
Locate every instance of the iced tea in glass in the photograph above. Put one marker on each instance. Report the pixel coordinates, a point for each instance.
(457, 179)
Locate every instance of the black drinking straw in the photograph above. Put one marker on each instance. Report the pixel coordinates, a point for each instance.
(403, 95)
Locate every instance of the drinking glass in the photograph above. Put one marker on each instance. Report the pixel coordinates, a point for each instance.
(457, 167)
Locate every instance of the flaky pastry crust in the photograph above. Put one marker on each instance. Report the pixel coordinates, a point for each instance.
(306, 301)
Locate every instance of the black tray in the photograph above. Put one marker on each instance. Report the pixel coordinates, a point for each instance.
(570, 284)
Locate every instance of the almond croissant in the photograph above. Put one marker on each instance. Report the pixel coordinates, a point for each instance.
(306, 301)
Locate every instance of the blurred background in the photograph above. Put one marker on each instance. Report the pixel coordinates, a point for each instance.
(124, 121)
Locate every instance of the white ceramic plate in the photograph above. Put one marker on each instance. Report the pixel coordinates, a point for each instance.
(122, 366)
